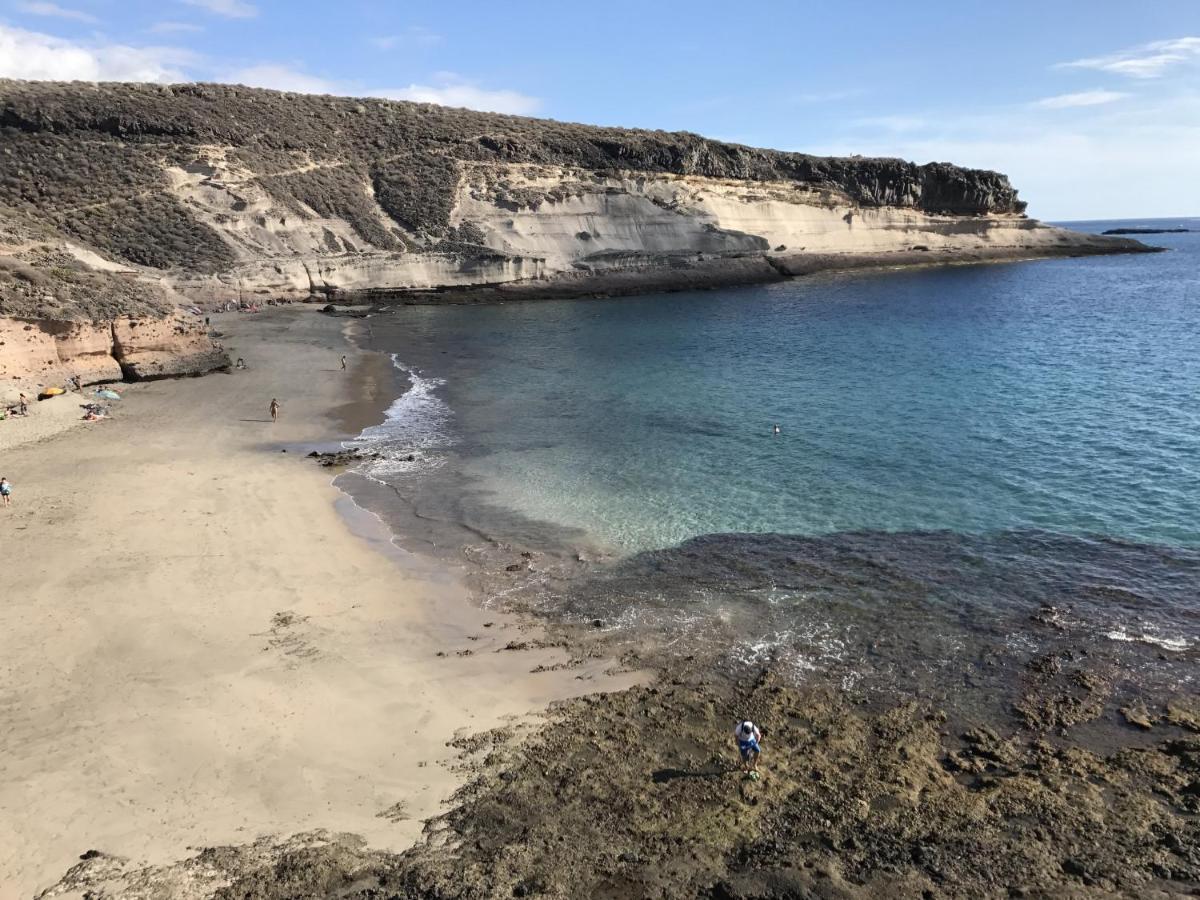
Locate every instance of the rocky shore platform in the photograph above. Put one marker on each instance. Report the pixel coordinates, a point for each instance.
(637, 794)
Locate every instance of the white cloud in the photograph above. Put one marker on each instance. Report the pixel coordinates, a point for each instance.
(448, 90)
(281, 78)
(465, 94)
(1145, 61)
(231, 9)
(32, 55)
(1125, 160)
(55, 11)
(1082, 98)
(174, 28)
(413, 36)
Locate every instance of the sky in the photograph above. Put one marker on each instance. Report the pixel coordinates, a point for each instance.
(1092, 108)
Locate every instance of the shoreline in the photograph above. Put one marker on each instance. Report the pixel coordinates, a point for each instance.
(219, 655)
(713, 274)
(859, 799)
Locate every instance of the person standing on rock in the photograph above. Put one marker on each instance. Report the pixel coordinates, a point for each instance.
(747, 736)
(6, 492)
(274, 410)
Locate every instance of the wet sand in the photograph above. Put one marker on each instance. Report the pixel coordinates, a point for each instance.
(196, 647)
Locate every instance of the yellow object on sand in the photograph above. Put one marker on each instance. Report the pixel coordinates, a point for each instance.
(50, 392)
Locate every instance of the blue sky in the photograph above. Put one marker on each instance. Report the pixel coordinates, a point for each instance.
(1093, 108)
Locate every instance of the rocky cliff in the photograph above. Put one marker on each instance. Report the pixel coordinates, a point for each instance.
(65, 311)
(209, 192)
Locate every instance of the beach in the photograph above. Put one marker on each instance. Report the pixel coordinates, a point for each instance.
(225, 678)
(203, 641)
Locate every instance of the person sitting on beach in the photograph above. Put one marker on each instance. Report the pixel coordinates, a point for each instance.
(241, 363)
(274, 410)
(6, 491)
(747, 736)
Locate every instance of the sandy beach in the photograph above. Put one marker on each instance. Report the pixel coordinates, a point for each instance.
(198, 648)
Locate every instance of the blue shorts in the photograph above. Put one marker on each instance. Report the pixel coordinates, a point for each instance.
(748, 747)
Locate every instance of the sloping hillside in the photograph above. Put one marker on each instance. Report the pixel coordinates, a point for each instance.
(208, 188)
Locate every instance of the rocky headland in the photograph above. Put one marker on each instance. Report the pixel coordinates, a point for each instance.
(126, 200)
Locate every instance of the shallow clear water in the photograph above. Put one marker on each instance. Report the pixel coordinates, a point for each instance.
(977, 466)
(1061, 395)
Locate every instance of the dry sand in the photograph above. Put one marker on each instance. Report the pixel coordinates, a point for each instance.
(196, 648)
(46, 418)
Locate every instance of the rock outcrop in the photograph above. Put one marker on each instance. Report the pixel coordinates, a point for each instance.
(65, 311)
(210, 192)
(50, 351)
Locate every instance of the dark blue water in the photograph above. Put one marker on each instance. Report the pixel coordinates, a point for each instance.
(1022, 431)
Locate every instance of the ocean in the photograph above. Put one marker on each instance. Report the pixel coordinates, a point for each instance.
(975, 465)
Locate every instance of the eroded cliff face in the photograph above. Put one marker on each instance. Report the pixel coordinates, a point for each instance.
(50, 351)
(543, 227)
(66, 311)
(210, 193)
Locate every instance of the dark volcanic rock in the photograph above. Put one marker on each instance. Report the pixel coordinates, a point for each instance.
(637, 794)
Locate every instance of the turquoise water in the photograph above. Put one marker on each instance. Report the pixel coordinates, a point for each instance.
(977, 467)
(1060, 395)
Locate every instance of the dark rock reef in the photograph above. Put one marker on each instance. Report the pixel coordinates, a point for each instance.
(637, 794)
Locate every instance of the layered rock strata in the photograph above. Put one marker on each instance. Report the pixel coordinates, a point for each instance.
(222, 192)
(50, 351)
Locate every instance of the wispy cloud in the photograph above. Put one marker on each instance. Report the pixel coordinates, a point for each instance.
(174, 28)
(894, 123)
(413, 36)
(36, 56)
(814, 97)
(1108, 161)
(448, 89)
(53, 10)
(1145, 61)
(452, 90)
(1081, 98)
(468, 96)
(230, 9)
(281, 78)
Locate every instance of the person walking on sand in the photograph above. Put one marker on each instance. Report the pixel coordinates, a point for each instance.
(274, 410)
(747, 736)
(6, 492)
(23, 403)
(343, 364)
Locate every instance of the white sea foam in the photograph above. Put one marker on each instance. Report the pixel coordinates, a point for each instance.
(1148, 635)
(414, 426)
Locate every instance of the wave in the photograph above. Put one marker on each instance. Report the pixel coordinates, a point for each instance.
(414, 432)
